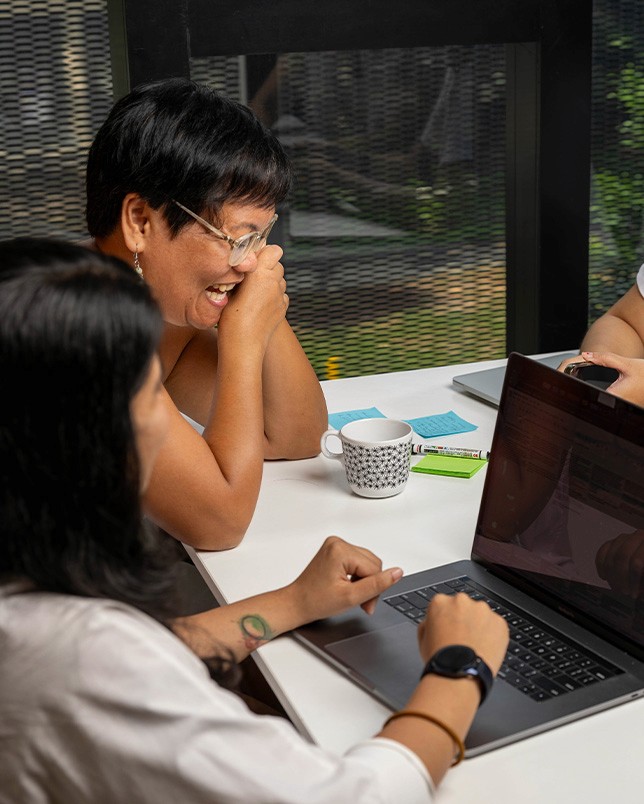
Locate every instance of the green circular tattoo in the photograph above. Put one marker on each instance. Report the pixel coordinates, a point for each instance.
(255, 628)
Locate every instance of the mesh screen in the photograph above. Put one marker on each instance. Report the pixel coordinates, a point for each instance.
(617, 206)
(55, 90)
(394, 236)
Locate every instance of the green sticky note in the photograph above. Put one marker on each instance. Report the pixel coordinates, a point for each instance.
(448, 465)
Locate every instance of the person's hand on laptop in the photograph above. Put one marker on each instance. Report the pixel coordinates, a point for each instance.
(440, 711)
(340, 576)
(459, 620)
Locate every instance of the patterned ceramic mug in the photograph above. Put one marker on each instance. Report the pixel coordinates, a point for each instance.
(375, 453)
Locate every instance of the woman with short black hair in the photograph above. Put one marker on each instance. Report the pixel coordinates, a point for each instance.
(183, 184)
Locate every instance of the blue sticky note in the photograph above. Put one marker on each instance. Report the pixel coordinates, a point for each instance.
(337, 420)
(440, 425)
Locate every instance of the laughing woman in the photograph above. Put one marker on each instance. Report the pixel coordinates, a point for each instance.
(183, 184)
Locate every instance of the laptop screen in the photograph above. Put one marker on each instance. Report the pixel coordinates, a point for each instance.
(563, 505)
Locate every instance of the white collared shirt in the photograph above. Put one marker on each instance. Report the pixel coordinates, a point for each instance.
(100, 703)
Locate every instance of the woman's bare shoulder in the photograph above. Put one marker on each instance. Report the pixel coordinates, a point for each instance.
(174, 342)
(189, 359)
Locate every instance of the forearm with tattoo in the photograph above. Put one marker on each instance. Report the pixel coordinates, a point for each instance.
(255, 631)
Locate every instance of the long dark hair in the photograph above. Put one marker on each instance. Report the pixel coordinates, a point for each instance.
(78, 331)
(175, 139)
(77, 334)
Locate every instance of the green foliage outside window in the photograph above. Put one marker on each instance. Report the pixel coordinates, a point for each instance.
(617, 202)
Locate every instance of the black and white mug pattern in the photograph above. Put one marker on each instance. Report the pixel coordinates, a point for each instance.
(377, 469)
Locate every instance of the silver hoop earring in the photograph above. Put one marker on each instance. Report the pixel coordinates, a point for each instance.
(137, 264)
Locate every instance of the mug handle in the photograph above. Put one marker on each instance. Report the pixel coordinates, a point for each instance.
(325, 450)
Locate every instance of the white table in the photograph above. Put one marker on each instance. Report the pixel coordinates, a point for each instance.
(598, 759)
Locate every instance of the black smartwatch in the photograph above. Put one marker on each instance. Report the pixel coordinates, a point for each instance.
(459, 661)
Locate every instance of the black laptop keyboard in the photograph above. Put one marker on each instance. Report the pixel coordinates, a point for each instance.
(538, 663)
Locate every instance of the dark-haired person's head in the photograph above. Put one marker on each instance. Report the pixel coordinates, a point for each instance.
(78, 339)
(183, 184)
(175, 139)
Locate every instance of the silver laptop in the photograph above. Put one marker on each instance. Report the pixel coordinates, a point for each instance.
(565, 477)
(487, 384)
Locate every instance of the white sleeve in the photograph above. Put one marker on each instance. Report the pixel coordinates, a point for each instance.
(402, 776)
(150, 725)
(640, 280)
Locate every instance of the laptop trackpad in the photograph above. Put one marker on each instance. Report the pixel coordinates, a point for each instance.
(388, 660)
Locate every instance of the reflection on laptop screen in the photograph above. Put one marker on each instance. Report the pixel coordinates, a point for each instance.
(564, 500)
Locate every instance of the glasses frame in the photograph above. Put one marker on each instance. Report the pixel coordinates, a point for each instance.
(244, 245)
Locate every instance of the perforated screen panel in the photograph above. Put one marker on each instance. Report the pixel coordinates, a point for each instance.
(55, 90)
(617, 204)
(394, 236)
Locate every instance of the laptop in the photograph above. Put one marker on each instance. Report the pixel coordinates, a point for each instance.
(488, 383)
(565, 477)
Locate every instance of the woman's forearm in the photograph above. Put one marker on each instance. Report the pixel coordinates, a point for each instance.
(295, 412)
(451, 701)
(240, 627)
(621, 329)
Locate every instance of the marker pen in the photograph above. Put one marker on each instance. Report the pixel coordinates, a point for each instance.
(455, 452)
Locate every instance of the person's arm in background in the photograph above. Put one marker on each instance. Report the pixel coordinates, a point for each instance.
(295, 411)
(254, 392)
(620, 330)
(616, 340)
(204, 488)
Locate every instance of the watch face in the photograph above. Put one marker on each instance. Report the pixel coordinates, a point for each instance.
(459, 661)
(454, 658)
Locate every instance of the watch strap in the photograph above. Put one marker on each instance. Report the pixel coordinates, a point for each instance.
(479, 672)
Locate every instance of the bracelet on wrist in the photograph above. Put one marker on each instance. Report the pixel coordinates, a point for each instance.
(460, 746)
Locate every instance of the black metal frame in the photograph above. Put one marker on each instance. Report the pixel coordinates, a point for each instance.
(549, 50)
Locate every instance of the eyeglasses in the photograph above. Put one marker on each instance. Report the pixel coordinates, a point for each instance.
(240, 248)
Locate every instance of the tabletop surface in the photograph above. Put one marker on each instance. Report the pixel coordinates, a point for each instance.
(430, 523)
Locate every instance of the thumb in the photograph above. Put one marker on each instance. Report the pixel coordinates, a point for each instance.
(605, 359)
(366, 590)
